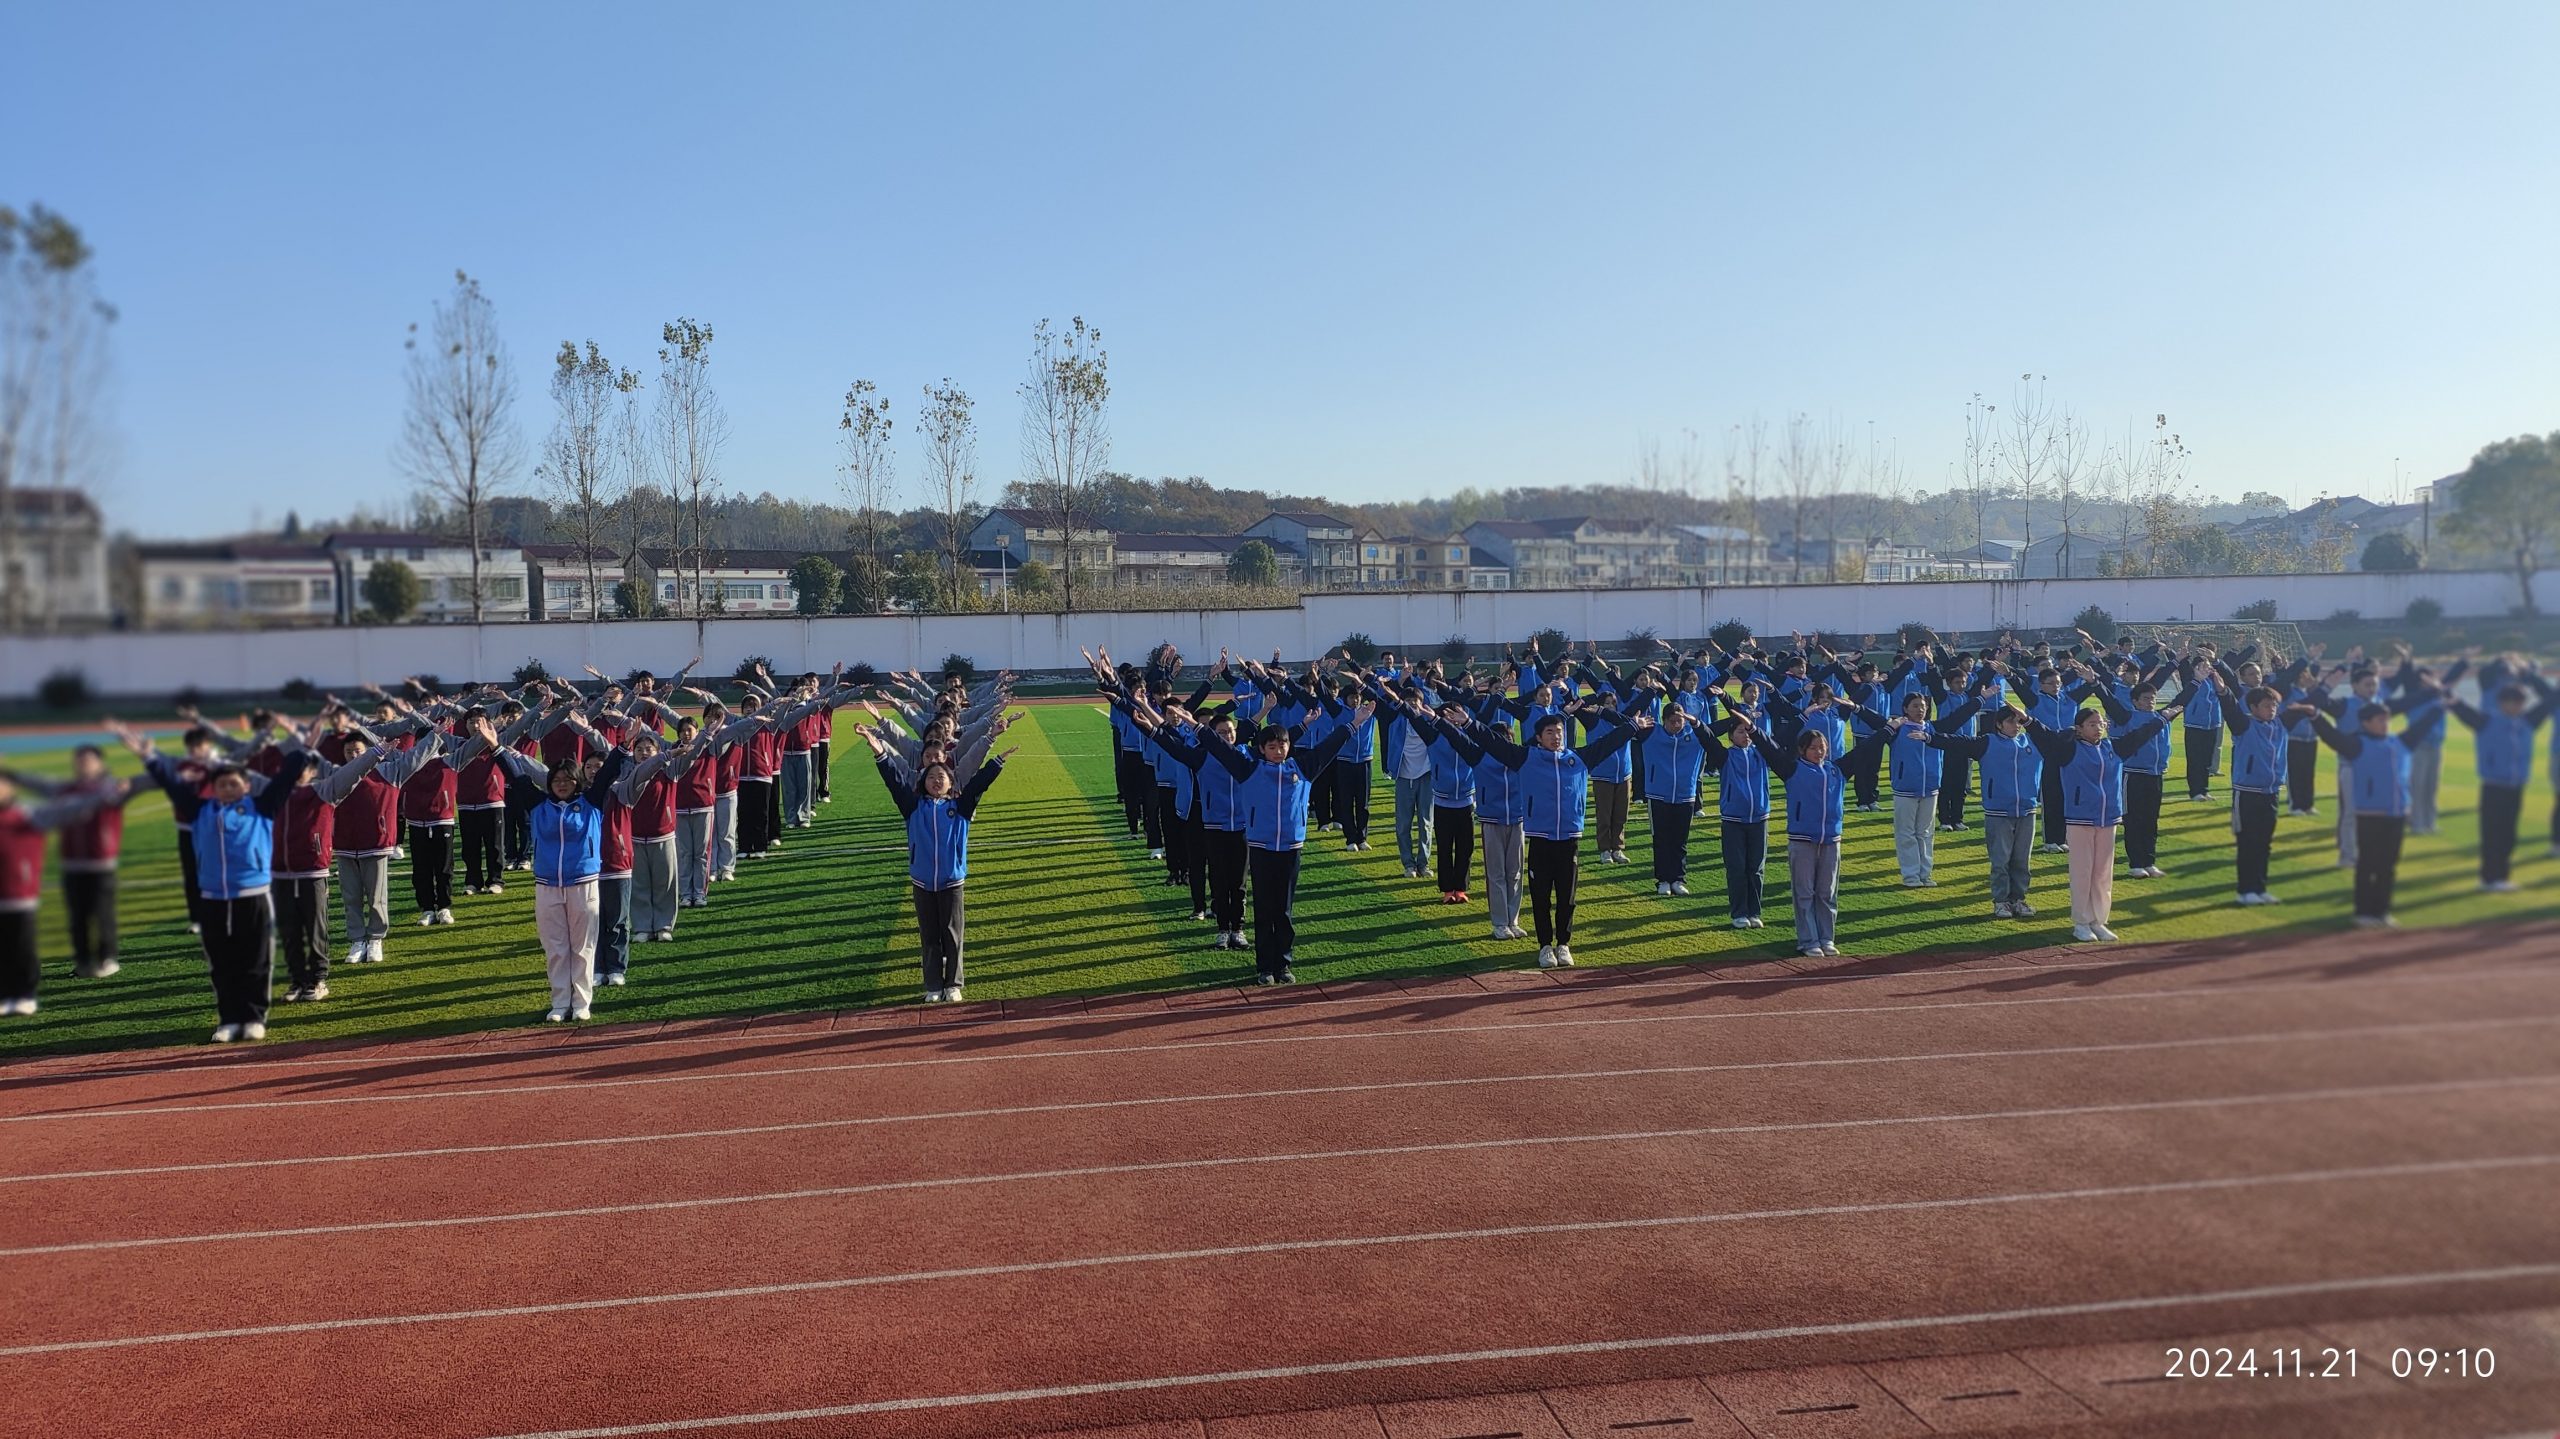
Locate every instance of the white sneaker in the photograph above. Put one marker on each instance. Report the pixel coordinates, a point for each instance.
(225, 1033)
(1546, 956)
(1742, 924)
(611, 981)
(444, 916)
(427, 920)
(2366, 921)
(1680, 887)
(317, 991)
(2003, 910)
(2100, 931)
(1758, 923)
(639, 936)
(495, 888)
(17, 1006)
(580, 1015)
(934, 996)
(2081, 933)
(951, 995)
(1661, 887)
(253, 1030)
(2251, 901)
(2498, 886)
(355, 952)
(2022, 910)
(2266, 898)
(555, 1016)
(666, 936)
(1155, 854)
(373, 951)
(1564, 956)
(1829, 948)
(296, 995)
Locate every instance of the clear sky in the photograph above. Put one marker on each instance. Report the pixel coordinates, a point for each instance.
(1373, 251)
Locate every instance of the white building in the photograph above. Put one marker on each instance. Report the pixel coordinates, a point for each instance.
(443, 568)
(235, 583)
(55, 569)
(1721, 555)
(556, 576)
(735, 582)
(1150, 560)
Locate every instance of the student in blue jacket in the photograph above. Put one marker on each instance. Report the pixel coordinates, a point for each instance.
(1453, 794)
(1917, 765)
(2091, 770)
(2503, 740)
(2204, 722)
(937, 819)
(2376, 762)
(1500, 809)
(1674, 754)
(2012, 771)
(1817, 801)
(1277, 784)
(1742, 809)
(1556, 778)
(1219, 797)
(2262, 755)
(565, 822)
(234, 829)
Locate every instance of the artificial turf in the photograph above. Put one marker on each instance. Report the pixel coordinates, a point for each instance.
(1062, 902)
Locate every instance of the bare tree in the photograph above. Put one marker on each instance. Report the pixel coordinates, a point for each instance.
(638, 502)
(52, 357)
(458, 440)
(1833, 457)
(1066, 437)
(867, 474)
(690, 428)
(2029, 452)
(950, 434)
(1981, 470)
(1746, 450)
(2119, 482)
(1800, 470)
(579, 457)
(2070, 483)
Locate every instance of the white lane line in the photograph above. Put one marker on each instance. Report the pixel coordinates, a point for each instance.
(2130, 1304)
(1469, 1081)
(1301, 1246)
(1427, 1032)
(251, 1062)
(1633, 1136)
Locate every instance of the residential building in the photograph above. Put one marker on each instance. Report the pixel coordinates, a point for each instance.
(1486, 571)
(2080, 558)
(1151, 560)
(731, 582)
(1381, 562)
(55, 569)
(229, 584)
(1017, 535)
(1433, 564)
(557, 576)
(1990, 560)
(1325, 548)
(1721, 555)
(443, 568)
(1581, 552)
(1892, 563)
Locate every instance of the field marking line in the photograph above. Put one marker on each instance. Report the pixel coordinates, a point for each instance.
(1301, 1246)
(1217, 1097)
(1636, 1136)
(2124, 1305)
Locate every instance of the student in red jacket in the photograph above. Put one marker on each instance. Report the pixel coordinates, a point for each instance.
(90, 847)
(22, 831)
(305, 849)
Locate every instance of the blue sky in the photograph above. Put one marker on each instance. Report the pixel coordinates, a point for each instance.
(1370, 251)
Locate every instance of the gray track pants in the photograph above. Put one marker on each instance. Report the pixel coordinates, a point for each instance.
(1506, 853)
(364, 886)
(653, 885)
(693, 855)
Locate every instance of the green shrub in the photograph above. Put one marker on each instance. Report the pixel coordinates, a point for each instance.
(530, 671)
(2100, 625)
(64, 689)
(1362, 649)
(2425, 613)
(300, 691)
(959, 664)
(1731, 634)
(2263, 611)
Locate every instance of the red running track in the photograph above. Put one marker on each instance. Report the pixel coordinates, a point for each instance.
(1130, 1210)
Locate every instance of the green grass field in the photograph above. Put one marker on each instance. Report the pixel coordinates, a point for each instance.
(1060, 902)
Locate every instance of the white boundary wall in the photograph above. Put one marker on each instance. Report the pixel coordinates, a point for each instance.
(148, 663)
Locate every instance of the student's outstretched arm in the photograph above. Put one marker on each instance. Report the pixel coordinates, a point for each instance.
(1235, 761)
(1509, 754)
(2137, 734)
(900, 794)
(1316, 759)
(1780, 762)
(2345, 742)
(976, 789)
(1621, 732)
(271, 800)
